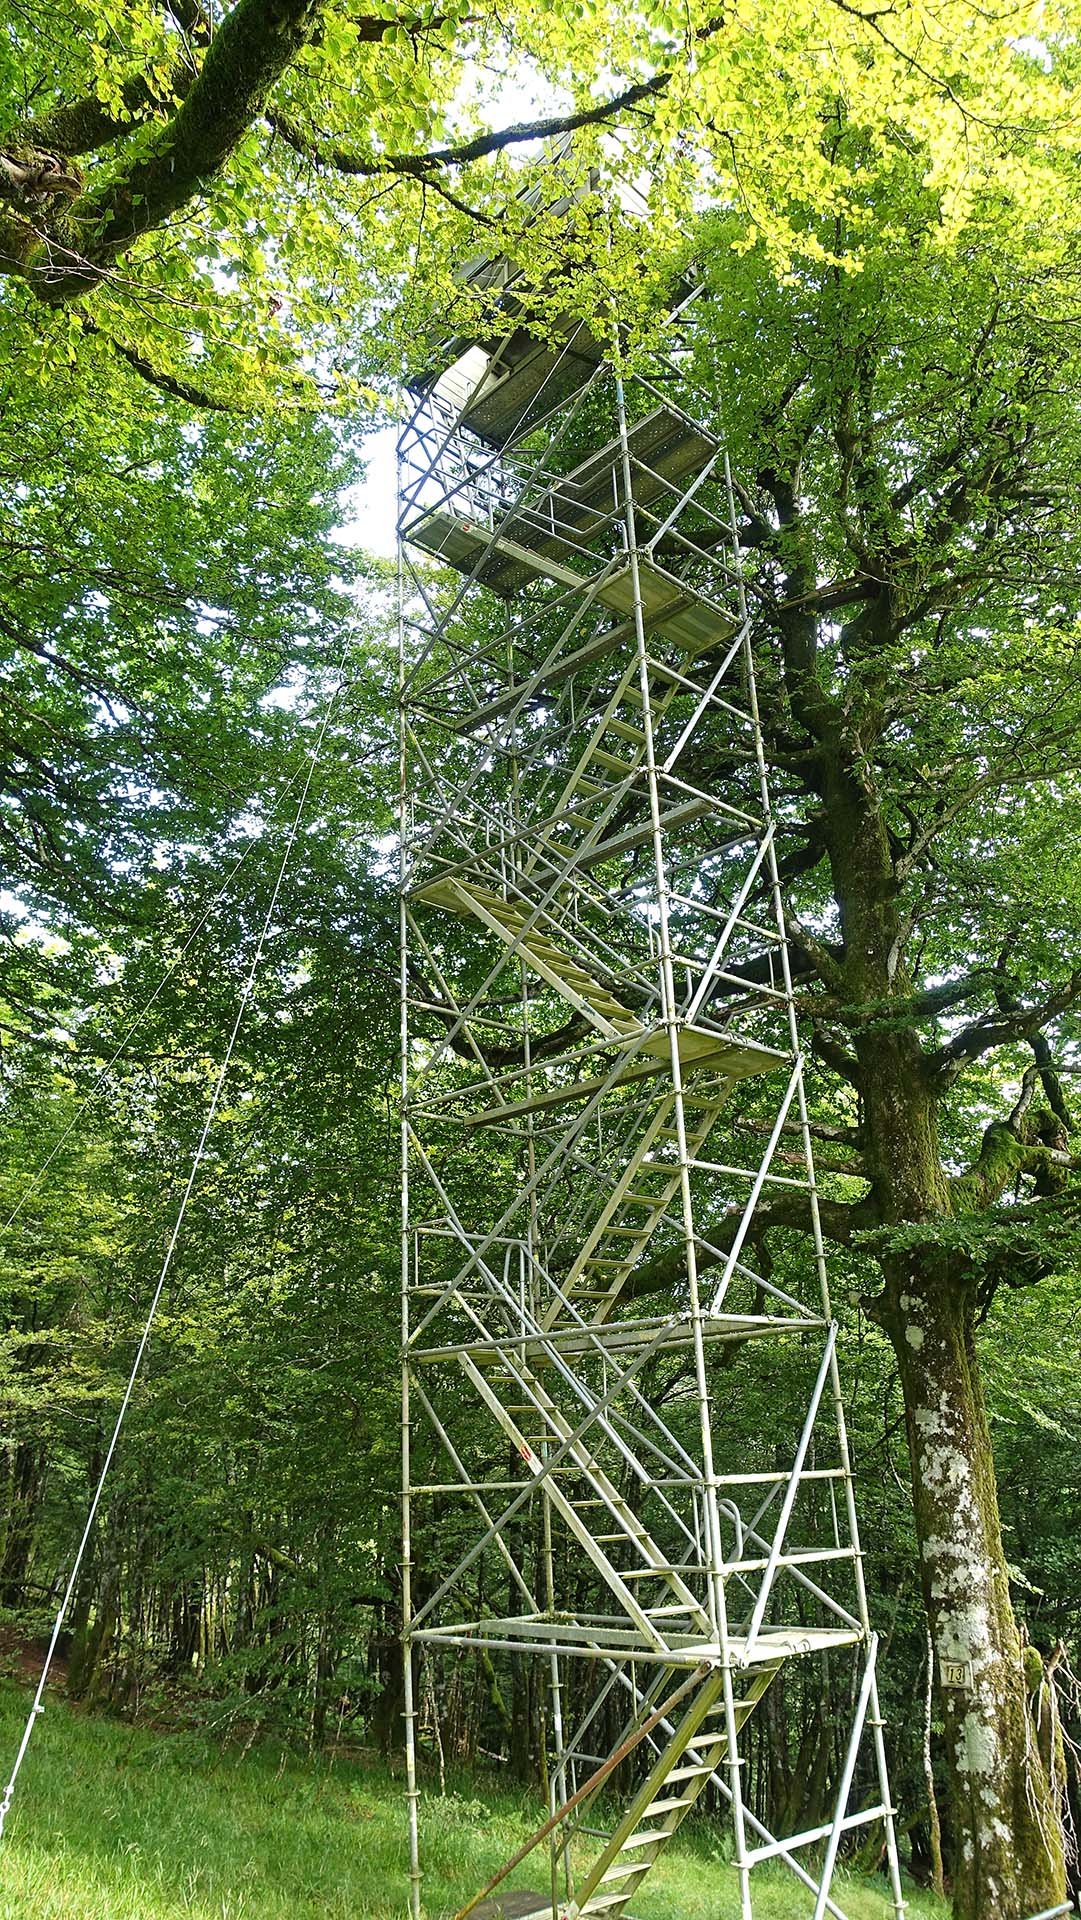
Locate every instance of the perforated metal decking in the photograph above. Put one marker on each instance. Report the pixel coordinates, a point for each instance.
(602, 1078)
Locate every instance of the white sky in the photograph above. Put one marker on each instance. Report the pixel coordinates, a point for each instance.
(371, 507)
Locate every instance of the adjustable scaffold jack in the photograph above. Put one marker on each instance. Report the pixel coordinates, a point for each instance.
(600, 1059)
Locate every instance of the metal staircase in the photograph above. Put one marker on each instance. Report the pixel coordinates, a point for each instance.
(684, 1765)
(600, 1062)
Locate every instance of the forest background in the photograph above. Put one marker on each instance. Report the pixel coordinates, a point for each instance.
(224, 235)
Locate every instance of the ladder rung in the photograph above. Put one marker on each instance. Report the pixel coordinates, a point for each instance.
(666, 1571)
(540, 943)
(569, 969)
(625, 1872)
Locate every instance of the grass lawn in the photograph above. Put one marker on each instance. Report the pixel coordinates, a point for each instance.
(115, 1823)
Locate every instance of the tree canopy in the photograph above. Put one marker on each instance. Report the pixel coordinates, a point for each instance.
(233, 197)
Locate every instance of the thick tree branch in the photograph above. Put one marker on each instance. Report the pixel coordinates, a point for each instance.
(834, 1055)
(327, 153)
(1032, 1142)
(917, 1007)
(839, 1140)
(168, 383)
(1003, 1156)
(466, 1044)
(999, 1030)
(832, 594)
(83, 126)
(1042, 1055)
(824, 958)
(253, 46)
(841, 1221)
(35, 177)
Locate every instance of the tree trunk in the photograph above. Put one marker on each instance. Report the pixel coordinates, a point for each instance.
(1007, 1821)
(24, 1493)
(1005, 1818)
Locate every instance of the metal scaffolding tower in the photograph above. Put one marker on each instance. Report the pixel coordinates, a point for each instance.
(601, 1078)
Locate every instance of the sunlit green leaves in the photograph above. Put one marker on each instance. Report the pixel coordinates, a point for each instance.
(283, 265)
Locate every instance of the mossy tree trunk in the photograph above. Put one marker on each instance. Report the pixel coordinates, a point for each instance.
(1006, 1815)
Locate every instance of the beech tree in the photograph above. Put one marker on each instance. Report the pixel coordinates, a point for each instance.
(906, 440)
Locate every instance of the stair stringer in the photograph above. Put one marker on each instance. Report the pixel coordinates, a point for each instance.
(865, 1726)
